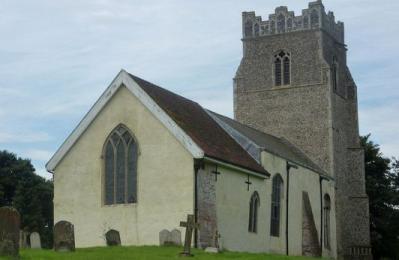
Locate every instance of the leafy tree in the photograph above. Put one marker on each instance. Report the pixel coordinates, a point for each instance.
(29, 193)
(382, 185)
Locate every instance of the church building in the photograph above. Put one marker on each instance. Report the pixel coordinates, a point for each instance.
(285, 176)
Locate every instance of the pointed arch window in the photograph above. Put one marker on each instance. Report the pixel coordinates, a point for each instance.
(277, 187)
(120, 159)
(282, 69)
(326, 217)
(253, 212)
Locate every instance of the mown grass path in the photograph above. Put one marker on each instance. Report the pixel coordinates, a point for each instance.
(142, 253)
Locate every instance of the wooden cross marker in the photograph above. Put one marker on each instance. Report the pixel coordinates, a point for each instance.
(190, 225)
(248, 183)
(216, 172)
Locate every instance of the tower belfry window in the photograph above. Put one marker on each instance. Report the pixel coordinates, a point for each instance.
(282, 69)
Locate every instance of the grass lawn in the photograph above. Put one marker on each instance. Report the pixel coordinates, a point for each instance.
(143, 252)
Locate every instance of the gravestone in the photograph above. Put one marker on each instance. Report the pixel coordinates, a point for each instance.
(35, 242)
(164, 237)
(190, 225)
(23, 239)
(170, 238)
(9, 231)
(175, 237)
(113, 238)
(64, 236)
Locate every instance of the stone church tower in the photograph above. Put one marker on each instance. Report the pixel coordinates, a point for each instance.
(293, 82)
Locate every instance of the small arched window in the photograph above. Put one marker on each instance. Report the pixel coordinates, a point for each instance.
(277, 187)
(282, 69)
(253, 212)
(334, 74)
(120, 159)
(326, 216)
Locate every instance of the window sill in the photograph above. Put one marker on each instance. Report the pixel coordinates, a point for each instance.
(124, 205)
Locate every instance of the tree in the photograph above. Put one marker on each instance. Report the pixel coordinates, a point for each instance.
(382, 186)
(29, 193)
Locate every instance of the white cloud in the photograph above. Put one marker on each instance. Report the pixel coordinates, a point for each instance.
(37, 154)
(23, 137)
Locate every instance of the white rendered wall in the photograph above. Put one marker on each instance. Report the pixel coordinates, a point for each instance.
(232, 198)
(301, 179)
(165, 179)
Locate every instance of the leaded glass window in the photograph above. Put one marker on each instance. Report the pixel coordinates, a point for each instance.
(286, 70)
(326, 218)
(277, 184)
(277, 71)
(282, 69)
(253, 212)
(120, 159)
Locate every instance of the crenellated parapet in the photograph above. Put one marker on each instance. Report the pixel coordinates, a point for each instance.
(284, 21)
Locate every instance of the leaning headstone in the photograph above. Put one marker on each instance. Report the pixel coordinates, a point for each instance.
(9, 231)
(175, 237)
(164, 237)
(23, 239)
(35, 241)
(113, 238)
(64, 236)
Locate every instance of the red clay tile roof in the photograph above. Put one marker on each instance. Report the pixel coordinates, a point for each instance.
(205, 132)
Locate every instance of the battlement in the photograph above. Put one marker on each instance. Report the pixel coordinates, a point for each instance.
(284, 21)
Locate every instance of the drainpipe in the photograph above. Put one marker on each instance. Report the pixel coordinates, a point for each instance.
(197, 165)
(288, 167)
(321, 215)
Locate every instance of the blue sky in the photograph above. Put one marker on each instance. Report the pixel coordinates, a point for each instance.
(57, 57)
